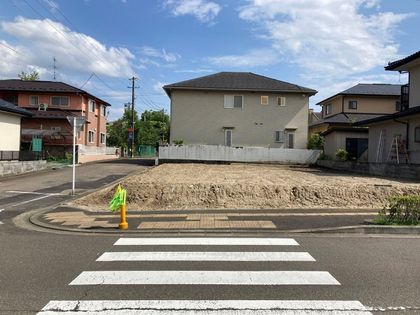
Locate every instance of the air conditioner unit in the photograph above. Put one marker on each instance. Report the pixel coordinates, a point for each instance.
(55, 129)
(42, 106)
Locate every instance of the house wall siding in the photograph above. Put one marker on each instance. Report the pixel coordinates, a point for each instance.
(337, 140)
(414, 98)
(198, 117)
(9, 132)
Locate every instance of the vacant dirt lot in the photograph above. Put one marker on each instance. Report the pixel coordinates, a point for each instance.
(197, 186)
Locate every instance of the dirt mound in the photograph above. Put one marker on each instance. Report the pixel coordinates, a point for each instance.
(196, 186)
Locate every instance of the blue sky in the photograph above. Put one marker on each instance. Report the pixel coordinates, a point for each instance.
(327, 45)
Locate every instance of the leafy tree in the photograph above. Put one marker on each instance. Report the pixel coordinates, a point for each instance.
(33, 76)
(154, 127)
(316, 142)
(118, 130)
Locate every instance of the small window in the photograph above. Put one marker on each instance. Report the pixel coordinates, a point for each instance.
(280, 136)
(264, 100)
(328, 109)
(92, 106)
(103, 110)
(417, 134)
(228, 137)
(398, 106)
(60, 100)
(33, 100)
(352, 104)
(281, 101)
(233, 101)
(103, 137)
(91, 136)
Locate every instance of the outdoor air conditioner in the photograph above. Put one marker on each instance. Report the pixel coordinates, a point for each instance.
(55, 129)
(42, 106)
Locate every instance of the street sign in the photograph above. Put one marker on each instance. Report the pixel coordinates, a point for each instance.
(130, 129)
(78, 121)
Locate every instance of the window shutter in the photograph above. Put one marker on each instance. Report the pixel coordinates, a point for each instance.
(237, 101)
(281, 101)
(228, 101)
(280, 136)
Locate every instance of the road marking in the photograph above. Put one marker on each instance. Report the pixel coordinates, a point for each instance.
(30, 200)
(1, 211)
(206, 256)
(216, 307)
(207, 241)
(181, 277)
(34, 193)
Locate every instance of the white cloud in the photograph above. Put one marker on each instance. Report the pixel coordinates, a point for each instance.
(327, 36)
(194, 71)
(254, 58)
(162, 54)
(76, 52)
(203, 10)
(158, 87)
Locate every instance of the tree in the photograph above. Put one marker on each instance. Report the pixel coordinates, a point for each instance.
(118, 130)
(33, 76)
(154, 127)
(316, 142)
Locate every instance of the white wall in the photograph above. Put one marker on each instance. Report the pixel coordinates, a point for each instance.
(9, 132)
(231, 154)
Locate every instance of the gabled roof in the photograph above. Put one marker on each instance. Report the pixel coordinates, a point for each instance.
(398, 63)
(411, 111)
(51, 113)
(43, 87)
(11, 108)
(238, 81)
(369, 89)
(345, 118)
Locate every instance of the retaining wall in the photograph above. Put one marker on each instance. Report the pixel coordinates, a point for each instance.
(19, 167)
(406, 171)
(231, 154)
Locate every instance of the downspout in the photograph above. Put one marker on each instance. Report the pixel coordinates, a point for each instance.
(407, 129)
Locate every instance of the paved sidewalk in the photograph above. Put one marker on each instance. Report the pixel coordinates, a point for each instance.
(285, 220)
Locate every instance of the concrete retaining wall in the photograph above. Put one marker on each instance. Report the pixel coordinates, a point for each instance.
(19, 167)
(405, 171)
(232, 154)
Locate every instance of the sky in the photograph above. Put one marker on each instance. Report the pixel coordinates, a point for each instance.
(326, 45)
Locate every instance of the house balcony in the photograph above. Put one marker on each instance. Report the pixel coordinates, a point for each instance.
(405, 96)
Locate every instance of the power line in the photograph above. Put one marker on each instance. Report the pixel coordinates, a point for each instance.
(90, 77)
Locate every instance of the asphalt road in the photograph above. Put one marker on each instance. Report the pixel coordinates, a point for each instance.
(43, 189)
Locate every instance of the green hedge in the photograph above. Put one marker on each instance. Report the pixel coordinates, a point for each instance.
(401, 210)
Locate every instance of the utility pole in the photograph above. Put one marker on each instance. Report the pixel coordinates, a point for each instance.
(131, 133)
(55, 67)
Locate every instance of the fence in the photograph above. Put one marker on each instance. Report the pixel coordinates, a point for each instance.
(232, 154)
(22, 155)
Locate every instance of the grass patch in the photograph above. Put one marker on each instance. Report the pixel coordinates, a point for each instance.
(400, 210)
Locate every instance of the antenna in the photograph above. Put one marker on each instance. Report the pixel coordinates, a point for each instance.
(55, 67)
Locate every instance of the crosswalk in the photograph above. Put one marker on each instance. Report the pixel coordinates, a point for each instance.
(198, 278)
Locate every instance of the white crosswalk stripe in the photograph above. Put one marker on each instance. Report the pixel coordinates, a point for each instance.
(205, 277)
(206, 256)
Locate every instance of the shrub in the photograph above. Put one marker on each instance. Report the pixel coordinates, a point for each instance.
(323, 157)
(178, 141)
(341, 154)
(316, 142)
(401, 210)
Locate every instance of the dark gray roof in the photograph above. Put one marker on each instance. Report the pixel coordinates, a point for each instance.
(369, 89)
(11, 108)
(42, 87)
(398, 63)
(411, 111)
(238, 81)
(345, 118)
(51, 113)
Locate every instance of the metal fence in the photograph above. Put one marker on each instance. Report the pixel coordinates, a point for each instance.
(23, 155)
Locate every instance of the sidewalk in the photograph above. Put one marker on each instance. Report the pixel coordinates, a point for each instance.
(278, 220)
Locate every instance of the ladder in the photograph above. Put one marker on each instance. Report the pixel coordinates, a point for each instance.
(398, 151)
(380, 150)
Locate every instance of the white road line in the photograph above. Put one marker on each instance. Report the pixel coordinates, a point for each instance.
(30, 200)
(34, 193)
(181, 277)
(1, 211)
(207, 241)
(216, 307)
(206, 256)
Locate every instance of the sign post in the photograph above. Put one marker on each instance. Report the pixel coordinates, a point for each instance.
(76, 122)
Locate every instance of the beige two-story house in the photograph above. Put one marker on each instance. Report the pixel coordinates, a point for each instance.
(396, 138)
(239, 109)
(341, 111)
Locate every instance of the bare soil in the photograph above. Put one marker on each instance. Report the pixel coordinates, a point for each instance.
(248, 186)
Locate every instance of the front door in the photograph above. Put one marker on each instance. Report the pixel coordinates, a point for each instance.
(290, 140)
(228, 137)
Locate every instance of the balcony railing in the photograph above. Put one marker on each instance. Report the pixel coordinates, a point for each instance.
(405, 95)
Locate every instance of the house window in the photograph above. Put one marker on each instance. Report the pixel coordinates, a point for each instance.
(264, 100)
(417, 134)
(352, 104)
(281, 101)
(60, 101)
(228, 137)
(91, 105)
(328, 109)
(103, 137)
(103, 110)
(233, 101)
(11, 99)
(280, 136)
(91, 136)
(33, 100)
(290, 140)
